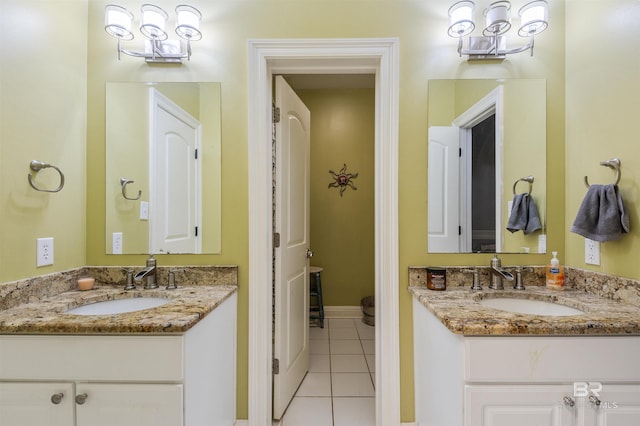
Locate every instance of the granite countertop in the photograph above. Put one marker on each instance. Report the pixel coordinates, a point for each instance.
(186, 307)
(458, 309)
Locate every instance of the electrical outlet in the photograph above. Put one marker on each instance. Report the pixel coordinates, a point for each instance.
(44, 252)
(591, 252)
(116, 243)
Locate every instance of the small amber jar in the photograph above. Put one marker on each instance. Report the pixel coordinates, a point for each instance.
(436, 278)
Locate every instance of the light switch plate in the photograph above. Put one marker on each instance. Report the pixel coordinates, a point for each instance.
(116, 243)
(144, 210)
(44, 252)
(591, 252)
(542, 243)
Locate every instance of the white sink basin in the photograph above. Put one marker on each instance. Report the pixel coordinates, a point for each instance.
(527, 306)
(119, 306)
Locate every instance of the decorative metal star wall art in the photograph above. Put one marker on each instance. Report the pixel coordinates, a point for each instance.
(342, 179)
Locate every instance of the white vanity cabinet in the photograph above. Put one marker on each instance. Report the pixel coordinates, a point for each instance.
(125, 380)
(91, 404)
(523, 380)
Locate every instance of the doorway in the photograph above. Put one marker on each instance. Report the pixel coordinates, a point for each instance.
(483, 121)
(269, 57)
(338, 388)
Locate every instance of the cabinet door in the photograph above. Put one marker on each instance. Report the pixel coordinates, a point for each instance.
(36, 404)
(521, 405)
(129, 404)
(619, 406)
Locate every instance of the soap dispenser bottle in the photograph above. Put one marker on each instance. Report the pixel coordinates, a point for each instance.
(555, 273)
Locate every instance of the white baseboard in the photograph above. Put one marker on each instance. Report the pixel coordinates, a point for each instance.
(342, 312)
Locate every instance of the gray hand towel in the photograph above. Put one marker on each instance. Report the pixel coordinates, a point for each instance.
(524, 215)
(602, 216)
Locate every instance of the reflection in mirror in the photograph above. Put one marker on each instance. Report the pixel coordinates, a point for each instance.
(163, 168)
(485, 136)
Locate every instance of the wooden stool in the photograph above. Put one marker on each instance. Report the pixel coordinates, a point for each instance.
(316, 311)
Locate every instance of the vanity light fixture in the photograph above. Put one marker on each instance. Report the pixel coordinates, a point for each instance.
(153, 23)
(493, 42)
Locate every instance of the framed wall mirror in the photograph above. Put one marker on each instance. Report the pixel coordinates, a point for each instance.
(487, 149)
(163, 168)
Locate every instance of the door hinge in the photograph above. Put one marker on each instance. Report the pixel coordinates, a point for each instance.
(459, 230)
(459, 152)
(196, 231)
(196, 153)
(276, 366)
(276, 240)
(276, 114)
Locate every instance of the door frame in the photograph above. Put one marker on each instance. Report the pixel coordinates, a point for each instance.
(492, 103)
(379, 56)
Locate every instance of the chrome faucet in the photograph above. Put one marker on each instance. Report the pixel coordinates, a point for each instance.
(149, 273)
(498, 274)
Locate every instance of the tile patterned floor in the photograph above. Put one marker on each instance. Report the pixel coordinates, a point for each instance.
(339, 388)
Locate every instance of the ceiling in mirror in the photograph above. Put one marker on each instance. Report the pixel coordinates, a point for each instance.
(163, 168)
(487, 166)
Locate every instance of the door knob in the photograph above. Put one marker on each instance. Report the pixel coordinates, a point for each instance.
(81, 399)
(309, 254)
(56, 398)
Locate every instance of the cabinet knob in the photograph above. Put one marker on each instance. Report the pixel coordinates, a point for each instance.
(81, 399)
(56, 398)
(568, 401)
(594, 400)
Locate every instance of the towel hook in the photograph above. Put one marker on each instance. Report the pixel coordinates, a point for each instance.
(124, 182)
(524, 179)
(35, 167)
(613, 164)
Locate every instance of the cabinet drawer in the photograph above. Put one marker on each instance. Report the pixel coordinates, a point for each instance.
(539, 359)
(100, 358)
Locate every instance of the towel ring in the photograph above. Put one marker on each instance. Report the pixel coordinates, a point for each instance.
(524, 179)
(124, 182)
(36, 166)
(613, 164)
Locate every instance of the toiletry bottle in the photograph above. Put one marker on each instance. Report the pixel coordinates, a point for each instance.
(555, 273)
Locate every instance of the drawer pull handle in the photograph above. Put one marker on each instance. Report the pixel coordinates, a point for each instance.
(594, 400)
(568, 401)
(56, 398)
(81, 399)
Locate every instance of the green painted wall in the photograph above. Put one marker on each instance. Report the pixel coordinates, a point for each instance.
(43, 116)
(342, 227)
(603, 100)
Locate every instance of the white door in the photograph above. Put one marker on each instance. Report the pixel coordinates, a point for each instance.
(36, 404)
(444, 189)
(521, 405)
(291, 331)
(175, 184)
(129, 405)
